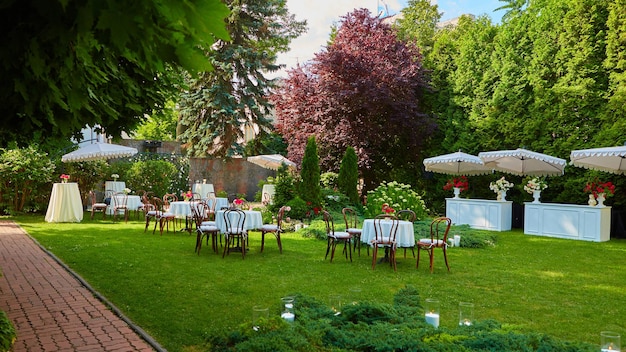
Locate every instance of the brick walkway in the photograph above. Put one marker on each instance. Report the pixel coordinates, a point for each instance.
(52, 310)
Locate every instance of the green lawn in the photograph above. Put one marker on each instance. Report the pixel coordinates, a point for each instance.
(569, 289)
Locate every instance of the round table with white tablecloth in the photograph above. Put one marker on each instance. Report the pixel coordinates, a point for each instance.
(116, 186)
(132, 203)
(254, 220)
(404, 237)
(65, 203)
(203, 189)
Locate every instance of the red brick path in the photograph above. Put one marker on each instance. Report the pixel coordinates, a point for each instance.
(51, 309)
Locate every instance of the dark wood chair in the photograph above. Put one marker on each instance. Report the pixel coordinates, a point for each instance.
(407, 215)
(97, 207)
(235, 220)
(204, 230)
(385, 230)
(439, 229)
(352, 227)
(120, 205)
(336, 237)
(274, 229)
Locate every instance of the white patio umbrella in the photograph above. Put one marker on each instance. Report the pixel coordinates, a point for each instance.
(98, 151)
(609, 159)
(271, 161)
(457, 163)
(523, 162)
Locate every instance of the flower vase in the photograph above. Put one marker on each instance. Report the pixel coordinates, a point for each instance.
(592, 201)
(457, 191)
(600, 199)
(64, 180)
(502, 196)
(536, 195)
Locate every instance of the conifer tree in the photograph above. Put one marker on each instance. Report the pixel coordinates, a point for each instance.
(310, 189)
(349, 175)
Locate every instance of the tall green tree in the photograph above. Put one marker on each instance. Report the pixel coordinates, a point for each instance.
(220, 105)
(310, 189)
(348, 178)
(419, 23)
(69, 63)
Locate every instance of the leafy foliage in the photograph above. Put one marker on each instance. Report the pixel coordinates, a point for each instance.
(220, 105)
(152, 175)
(349, 175)
(8, 334)
(398, 196)
(299, 208)
(310, 189)
(68, 64)
(285, 189)
(24, 172)
(351, 94)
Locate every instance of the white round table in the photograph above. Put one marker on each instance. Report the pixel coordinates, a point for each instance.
(65, 203)
(405, 236)
(254, 220)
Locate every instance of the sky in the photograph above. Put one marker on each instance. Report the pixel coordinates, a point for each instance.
(322, 14)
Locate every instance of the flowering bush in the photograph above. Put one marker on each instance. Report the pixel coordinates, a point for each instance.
(595, 188)
(395, 195)
(500, 185)
(457, 182)
(535, 184)
(64, 178)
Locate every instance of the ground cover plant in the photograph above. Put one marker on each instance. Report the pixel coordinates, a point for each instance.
(567, 289)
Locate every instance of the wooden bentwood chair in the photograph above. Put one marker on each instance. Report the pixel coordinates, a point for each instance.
(274, 229)
(95, 206)
(385, 230)
(204, 228)
(352, 227)
(407, 215)
(439, 229)
(235, 220)
(336, 237)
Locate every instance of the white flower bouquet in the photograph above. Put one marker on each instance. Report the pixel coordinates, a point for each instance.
(500, 185)
(535, 184)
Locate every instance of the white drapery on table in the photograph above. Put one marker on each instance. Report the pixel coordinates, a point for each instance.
(65, 203)
(254, 220)
(404, 237)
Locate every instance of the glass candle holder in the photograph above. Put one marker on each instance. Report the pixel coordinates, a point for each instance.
(288, 313)
(609, 341)
(466, 313)
(259, 315)
(431, 312)
(334, 302)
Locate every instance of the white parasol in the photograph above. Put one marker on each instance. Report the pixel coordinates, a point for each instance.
(523, 162)
(609, 159)
(271, 161)
(458, 163)
(98, 151)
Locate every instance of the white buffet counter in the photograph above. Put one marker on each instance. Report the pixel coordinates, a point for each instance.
(480, 213)
(571, 221)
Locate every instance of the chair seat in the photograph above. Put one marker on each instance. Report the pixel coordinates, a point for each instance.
(341, 235)
(152, 213)
(167, 215)
(235, 231)
(269, 227)
(383, 241)
(428, 242)
(209, 228)
(354, 231)
(208, 223)
(100, 205)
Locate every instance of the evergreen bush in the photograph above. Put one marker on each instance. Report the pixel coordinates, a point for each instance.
(348, 178)
(310, 190)
(298, 210)
(7, 332)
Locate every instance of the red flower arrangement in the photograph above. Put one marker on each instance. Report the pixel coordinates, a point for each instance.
(238, 201)
(457, 182)
(387, 209)
(187, 195)
(595, 188)
(64, 178)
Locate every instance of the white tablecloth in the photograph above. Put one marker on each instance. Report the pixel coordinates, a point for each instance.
(65, 203)
(181, 209)
(117, 186)
(254, 220)
(203, 189)
(132, 203)
(404, 237)
(221, 203)
(268, 190)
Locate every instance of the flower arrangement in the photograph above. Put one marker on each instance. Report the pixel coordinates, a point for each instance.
(115, 177)
(535, 184)
(187, 195)
(500, 185)
(595, 188)
(64, 178)
(238, 202)
(457, 182)
(387, 209)
(127, 191)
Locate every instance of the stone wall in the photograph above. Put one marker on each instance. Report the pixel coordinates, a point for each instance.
(235, 176)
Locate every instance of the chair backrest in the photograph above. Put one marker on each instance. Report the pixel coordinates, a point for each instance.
(211, 204)
(266, 198)
(211, 195)
(385, 228)
(157, 203)
(92, 197)
(439, 229)
(281, 214)
(120, 199)
(196, 196)
(406, 214)
(330, 224)
(169, 197)
(199, 211)
(234, 220)
(350, 217)
(109, 193)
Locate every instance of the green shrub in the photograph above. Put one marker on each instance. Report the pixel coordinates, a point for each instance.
(335, 200)
(7, 332)
(317, 229)
(285, 189)
(298, 210)
(396, 195)
(329, 180)
(349, 175)
(156, 176)
(310, 190)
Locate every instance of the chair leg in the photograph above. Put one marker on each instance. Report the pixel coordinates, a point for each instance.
(262, 241)
(431, 253)
(279, 242)
(334, 246)
(227, 244)
(327, 248)
(374, 253)
(417, 264)
(198, 242)
(350, 249)
(445, 256)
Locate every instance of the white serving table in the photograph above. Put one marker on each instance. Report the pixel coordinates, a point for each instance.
(203, 189)
(132, 203)
(571, 221)
(254, 220)
(117, 186)
(480, 213)
(405, 236)
(65, 203)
